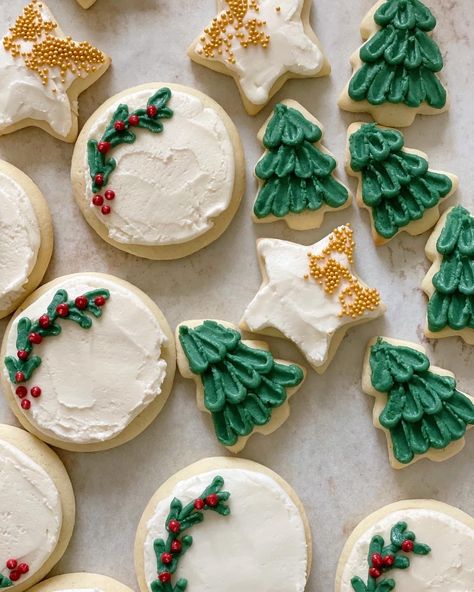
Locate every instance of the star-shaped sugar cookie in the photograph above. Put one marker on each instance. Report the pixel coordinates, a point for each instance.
(42, 73)
(310, 295)
(261, 44)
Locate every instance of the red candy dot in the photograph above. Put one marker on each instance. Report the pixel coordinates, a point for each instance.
(133, 120)
(174, 526)
(81, 302)
(164, 577)
(376, 560)
(99, 180)
(199, 504)
(407, 546)
(212, 500)
(176, 546)
(109, 194)
(22, 354)
(103, 147)
(44, 321)
(21, 393)
(374, 572)
(151, 111)
(99, 301)
(166, 558)
(25, 404)
(24, 568)
(35, 338)
(15, 575)
(35, 391)
(11, 563)
(62, 310)
(105, 210)
(97, 200)
(119, 125)
(19, 377)
(388, 560)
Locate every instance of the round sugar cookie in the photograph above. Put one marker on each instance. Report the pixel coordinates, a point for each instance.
(37, 504)
(88, 362)
(26, 237)
(80, 582)
(411, 546)
(158, 171)
(224, 520)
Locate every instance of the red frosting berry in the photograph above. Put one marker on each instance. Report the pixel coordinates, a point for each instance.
(99, 180)
(376, 560)
(174, 526)
(62, 310)
(166, 558)
(99, 301)
(407, 546)
(119, 125)
(15, 575)
(388, 560)
(25, 404)
(35, 338)
(97, 200)
(104, 147)
(151, 111)
(212, 500)
(22, 354)
(109, 194)
(176, 546)
(21, 392)
(105, 210)
(81, 302)
(133, 120)
(19, 377)
(44, 321)
(199, 504)
(35, 391)
(374, 573)
(24, 568)
(164, 577)
(11, 563)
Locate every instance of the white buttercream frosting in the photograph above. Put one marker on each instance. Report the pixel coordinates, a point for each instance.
(449, 567)
(30, 507)
(297, 307)
(95, 381)
(289, 50)
(169, 186)
(20, 239)
(259, 547)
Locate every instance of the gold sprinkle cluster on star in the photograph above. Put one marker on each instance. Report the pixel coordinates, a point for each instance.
(232, 25)
(48, 51)
(355, 299)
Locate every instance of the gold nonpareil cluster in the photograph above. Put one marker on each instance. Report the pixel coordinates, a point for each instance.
(355, 299)
(46, 51)
(232, 25)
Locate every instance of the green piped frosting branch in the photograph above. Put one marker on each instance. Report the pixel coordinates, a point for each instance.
(400, 61)
(424, 409)
(242, 384)
(179, 520)
(384, 558)
(5, 582)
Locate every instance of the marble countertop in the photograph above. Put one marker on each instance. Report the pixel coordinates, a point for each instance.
(328, 449)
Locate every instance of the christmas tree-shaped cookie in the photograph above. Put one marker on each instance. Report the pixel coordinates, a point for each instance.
(296, 173)
(449, 283)
(396, 71)
(395, 184)
(238, 382)
(418, 405)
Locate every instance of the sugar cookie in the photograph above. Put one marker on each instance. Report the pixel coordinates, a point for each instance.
(80, 582)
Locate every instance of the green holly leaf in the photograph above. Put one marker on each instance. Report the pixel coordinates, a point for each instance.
(160, 98)
(152, 124)
(180, 585)
(401, 562)
(59, 298)
(358, 585)
(385, 585)
(421, 549)
(23, 331)
(13, 366)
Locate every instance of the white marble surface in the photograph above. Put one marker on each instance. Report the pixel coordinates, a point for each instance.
(328, 449)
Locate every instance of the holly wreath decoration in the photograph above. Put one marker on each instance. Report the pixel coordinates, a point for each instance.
(16, 571)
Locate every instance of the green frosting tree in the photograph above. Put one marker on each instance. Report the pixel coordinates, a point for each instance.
(424, 409)
(297, 176)
(242, 384)
(400, 61)
(396, 185)
(452, 304)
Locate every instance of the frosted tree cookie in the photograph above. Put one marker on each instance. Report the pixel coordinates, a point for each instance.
(417, 405)
(200, 530)
(238, 381)
(26, 237)
(296, 173)
(410, 546)
(395, 184)
(310, 295)
(43, 72)
(80, 582)
(449, 284)
(396, 71)
(158, 171)
(89, 362)
(37, 506)
(261, 44)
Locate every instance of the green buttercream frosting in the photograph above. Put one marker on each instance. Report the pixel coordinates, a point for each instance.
(424, 409)
(242, 384)
(297, 176)
(401, 59)
(5, 582)
(452, 304)
(396, 185)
